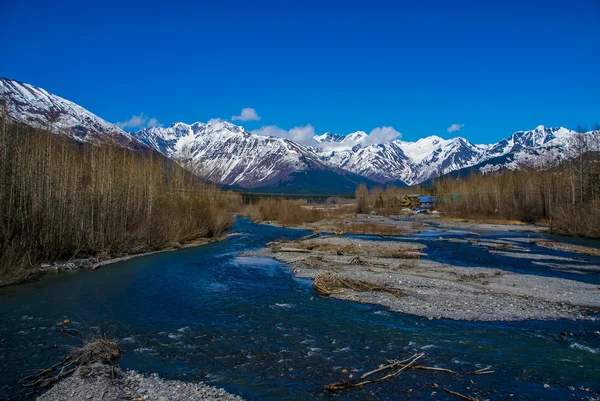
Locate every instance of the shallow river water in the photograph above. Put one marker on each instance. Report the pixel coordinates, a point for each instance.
(246, 324)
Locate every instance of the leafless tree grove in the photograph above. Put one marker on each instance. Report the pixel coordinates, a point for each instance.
(62, 199)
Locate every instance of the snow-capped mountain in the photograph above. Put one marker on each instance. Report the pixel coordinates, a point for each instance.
(449, 155)
(230, 155)
(384, 163)
(427, 158)
(36, 107)
(329, 137)
(528, 139)
(541, 147)
(409, 162)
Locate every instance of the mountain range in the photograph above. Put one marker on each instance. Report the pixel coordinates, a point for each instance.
(230, 155)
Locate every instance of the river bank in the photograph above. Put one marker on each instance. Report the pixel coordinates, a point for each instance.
(432, 289)
(102, 260)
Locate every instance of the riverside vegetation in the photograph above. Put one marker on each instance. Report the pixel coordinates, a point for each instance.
(62, 199)
(565, 196)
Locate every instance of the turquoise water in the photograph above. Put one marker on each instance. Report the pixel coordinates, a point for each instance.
(246, 324)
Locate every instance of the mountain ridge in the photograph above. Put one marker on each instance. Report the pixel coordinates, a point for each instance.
(230, 155)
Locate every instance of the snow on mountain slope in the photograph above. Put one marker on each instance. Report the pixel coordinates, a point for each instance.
(379, 162)
(543, 147)
(329, 137)
(416, 162)
(528, 139)
(382, 163)
(450, 155)
(230, 155)
(33, 106)
(422, 148)
(409, 162)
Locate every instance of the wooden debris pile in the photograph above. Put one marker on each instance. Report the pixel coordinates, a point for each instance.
(395, 368)
(331, 283)
(100, 350)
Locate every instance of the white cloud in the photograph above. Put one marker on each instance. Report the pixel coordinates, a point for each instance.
(139, 122)
(153, 122)
(381, 135)
(455, 127)
(248, 114)
(304, 135)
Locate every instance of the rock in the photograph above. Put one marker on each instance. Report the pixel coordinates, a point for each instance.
(98, 385)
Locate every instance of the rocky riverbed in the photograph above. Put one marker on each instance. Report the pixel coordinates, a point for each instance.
(432, 289)
(100, 382)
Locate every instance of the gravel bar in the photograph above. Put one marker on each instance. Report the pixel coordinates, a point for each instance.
(101, 382)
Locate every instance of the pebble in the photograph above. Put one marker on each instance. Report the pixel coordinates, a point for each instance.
(95, 383)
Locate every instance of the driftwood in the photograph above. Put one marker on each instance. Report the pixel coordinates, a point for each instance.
(311, 236)
(330, 283)
(98, 350)
(299, 250)
(400, 367)
(396, 368)
(461, 396)
(357, 260)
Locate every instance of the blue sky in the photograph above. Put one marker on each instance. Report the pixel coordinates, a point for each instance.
(339, 66)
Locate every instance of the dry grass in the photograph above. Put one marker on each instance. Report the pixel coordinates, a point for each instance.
(396, 252)
(370, 229)
(292, 213)
(400, 254)
(284, 212)
(560, 246)
(481, 220)
(330, 283)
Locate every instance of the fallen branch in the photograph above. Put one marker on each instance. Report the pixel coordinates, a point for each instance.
(96, 351)
(484, 371)
(459, 395)
(399, 367)
(361, 381)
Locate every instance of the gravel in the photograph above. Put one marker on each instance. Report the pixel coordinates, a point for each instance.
(101, 382)
(442, 291)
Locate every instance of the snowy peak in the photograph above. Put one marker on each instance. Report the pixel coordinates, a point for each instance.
(36, 107)
(228, 154)
(520, 140)
(355, 137)
(329, 137)
(422, 148)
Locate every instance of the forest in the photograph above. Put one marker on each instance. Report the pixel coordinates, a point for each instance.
(63, 199)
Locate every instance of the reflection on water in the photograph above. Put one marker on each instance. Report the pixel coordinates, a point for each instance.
(246, 324)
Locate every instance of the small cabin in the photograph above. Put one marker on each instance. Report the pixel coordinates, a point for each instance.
(420, 202)
(394, 202)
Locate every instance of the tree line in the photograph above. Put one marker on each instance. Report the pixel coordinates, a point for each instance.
(63, 199)
(564, 195)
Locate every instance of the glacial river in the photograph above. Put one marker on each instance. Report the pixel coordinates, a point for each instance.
(247, 325)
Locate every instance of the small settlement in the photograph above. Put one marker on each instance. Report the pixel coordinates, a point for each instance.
(416, 203)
